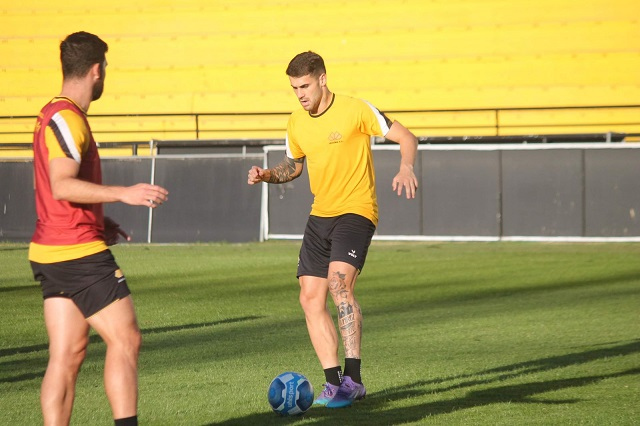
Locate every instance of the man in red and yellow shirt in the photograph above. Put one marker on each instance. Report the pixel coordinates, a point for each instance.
(82, 285)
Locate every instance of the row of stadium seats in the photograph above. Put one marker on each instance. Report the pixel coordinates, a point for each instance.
(152, 17)
(194, 57)
(460, 84)
(425, 44)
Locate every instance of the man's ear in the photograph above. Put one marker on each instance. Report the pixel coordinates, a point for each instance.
(96, 72)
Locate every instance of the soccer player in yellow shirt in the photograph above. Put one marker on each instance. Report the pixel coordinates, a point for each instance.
(332, 132)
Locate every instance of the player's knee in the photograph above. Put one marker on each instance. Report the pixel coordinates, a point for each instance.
(340, 294)
(311, 303)
(128, 343)
(135, 341)
(69, 358)
(305, 301)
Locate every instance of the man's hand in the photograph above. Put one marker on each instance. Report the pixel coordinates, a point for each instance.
(144, 194)
(405, 179)
(256, 175)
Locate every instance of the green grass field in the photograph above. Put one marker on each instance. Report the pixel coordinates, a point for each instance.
(454, 334)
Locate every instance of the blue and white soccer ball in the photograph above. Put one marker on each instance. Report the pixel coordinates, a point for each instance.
(290, 394)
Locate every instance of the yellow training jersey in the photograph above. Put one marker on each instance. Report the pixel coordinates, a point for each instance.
(337, 147)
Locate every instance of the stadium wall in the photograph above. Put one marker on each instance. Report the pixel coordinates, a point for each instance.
(491, 192)
(209, 198)
(572, 192)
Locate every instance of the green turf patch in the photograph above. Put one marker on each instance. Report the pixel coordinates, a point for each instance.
(454, 333)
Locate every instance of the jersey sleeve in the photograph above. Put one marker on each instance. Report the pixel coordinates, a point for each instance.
(67, 136)
(293, 149)
(374, 122)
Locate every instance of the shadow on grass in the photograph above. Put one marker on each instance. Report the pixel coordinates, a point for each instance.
(9, 248)
(375, 408)
(20, 288)
(425, 299)
(199, 325)
(94, 338)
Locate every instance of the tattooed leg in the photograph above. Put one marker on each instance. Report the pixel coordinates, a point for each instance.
(342, 279)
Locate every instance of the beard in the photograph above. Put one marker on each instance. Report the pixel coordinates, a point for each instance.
(98, 88)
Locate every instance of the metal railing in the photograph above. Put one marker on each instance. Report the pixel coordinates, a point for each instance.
(498, 123)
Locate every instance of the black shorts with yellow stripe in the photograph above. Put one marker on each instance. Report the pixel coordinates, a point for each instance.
(92, 282)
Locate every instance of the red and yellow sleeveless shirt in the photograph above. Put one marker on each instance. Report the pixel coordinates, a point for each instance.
(65, 230)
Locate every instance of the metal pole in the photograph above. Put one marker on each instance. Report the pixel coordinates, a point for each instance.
(153, 179)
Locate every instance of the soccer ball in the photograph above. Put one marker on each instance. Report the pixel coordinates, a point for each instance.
(290, 394)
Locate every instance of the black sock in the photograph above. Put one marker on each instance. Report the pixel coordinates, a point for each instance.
(333, 375)
(127, 421)
(352, 369)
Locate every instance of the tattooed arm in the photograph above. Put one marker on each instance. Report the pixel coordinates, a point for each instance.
(286, 171)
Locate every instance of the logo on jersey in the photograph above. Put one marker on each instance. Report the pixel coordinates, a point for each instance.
(335, 137)
(353, 254)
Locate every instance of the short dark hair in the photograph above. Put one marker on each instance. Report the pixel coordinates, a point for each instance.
(306, 63)
(79, 52)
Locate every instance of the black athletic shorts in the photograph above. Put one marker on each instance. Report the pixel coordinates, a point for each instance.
(344, 238)
(92, 282)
